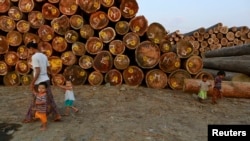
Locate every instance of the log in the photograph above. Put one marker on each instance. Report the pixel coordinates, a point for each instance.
(116, 47)
(26, 79)
(28, 37)
(68, 58)
(68, 7)
(76, 21)
(4, 48)
(58, 79)
(23, 26)
(94, 45)
(3, 68)
(184, 49)
(103, 61)
(76, 74)
(86, 61)
(230, 36)
(11, 58)
(169, 62)
(114, 14)
(221, 63)
(193, 64)
(133, 76)
(7, 24)
(165, 46)
(121, 61)
(176, 79)
(4, 6)
(95, 78)
(129, 8)
(229, 51)
(36, 19)
(131, 40)
(46, 48)
(54, 1)
(59, 44)
(26, 6)
(139, 25)
(71, 36)
(15, 13)
(22, 67)
(230, 76)
(78, 48)
(107, 3)
(55, 64)
(61, 25)
(229, 88)
(156, 79)
(11, 79)
(86, 31)
(46, 33)
(23, 52)
(113, 77)
(122, 27)
(50, 11)
(147, 54)
(156, 32)
(98, 20)
(200, 74)
(14, 38)
(107, 34)
(89, 6)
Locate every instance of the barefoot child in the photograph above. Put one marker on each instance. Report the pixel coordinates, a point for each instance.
(41, 104)
(217, 86)
(204, 86)
(69, 97)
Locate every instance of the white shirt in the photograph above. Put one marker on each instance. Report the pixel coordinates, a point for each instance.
(69, 95)
(40, 60)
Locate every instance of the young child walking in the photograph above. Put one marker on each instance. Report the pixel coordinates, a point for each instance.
(69, 97)
(217, 86)
(41, 104)
(204, 86)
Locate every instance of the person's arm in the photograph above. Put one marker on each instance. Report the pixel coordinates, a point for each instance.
(37, 71)
(65, 87)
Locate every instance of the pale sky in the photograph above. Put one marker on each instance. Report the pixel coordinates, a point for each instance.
(189, 15)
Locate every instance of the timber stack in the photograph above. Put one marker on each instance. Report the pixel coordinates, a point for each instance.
(93, 42)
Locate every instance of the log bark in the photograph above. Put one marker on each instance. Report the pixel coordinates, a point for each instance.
(176, 79)
(156, 78)
(113, 77)
(228, 88)
(147, 54)
(229, 51)
(121, 61)
(133, 76)
(169, 62)
(221, 63)
(95, 78)
(86, 62)
(76, 74)
(103, 61)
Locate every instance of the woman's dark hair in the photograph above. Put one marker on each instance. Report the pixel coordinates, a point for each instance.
(221, 72)
(32, 44)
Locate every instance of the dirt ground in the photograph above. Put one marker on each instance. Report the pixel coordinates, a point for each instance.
(121, 113)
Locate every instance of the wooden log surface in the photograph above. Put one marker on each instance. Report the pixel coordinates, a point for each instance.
(156, 78)
(229, 88)
(76, 74)
(176, 79)
(103, 61)
(113, 77)
(95, 78)
(169, 62)
(133, 76)
(121, 61)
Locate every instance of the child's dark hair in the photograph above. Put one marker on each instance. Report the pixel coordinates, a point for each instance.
(221, 72)
(44, 84)
(204, 76)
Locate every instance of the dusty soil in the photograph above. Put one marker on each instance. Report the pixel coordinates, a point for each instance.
(121, 113)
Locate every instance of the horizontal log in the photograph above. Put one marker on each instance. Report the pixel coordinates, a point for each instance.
(76, 74)
(116, 47)
(26, 6)
(58, 79)
(36, 19)
(176, 79)
(78, 48)
(203, 72)
(15, 13)
(228, 88)
(95, 78)
(103, 61)
(114, 14)
(76, 21)
(229, 51)
(169, 62)
(55, 64)
(11, 58)
(156, 32)
(129, 8)
(3, 68)
(131, 40)
(94, 45)
(23, 26)
(113, 77)
(156, 78)
(50, 11)
(98, 20)
(107, 3)
(67, 7)
(107, 34)
(68, 58)
(139, 25)
(7, 24)
(86, 31)
(89, 6)
(14, 38)
(86, 61)
(193, 64)
(220, 63)
(12, 78)
(28, 37)
(133, 76)
(184, 49)
(121, 61)
(61, 24)
(26, 79)
(71, 36)
(22, 67)
(46, 48)
(122, 27)
(59, 44)
(5, 6)
(46, 33)
(165, 46)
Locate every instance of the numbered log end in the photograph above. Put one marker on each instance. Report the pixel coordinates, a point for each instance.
(113, 77)
(156, 79)
(133, 76)
(75, 74)
(176, 79)
(169, 62)
(95, 78)
(103, 61)
(121, 61)
(193, 64)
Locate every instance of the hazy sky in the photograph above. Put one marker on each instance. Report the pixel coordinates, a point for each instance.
(189, 15)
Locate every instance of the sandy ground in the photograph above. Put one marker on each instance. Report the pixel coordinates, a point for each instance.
(121, 113)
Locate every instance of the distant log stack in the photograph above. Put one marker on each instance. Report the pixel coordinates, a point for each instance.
(104, 41)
